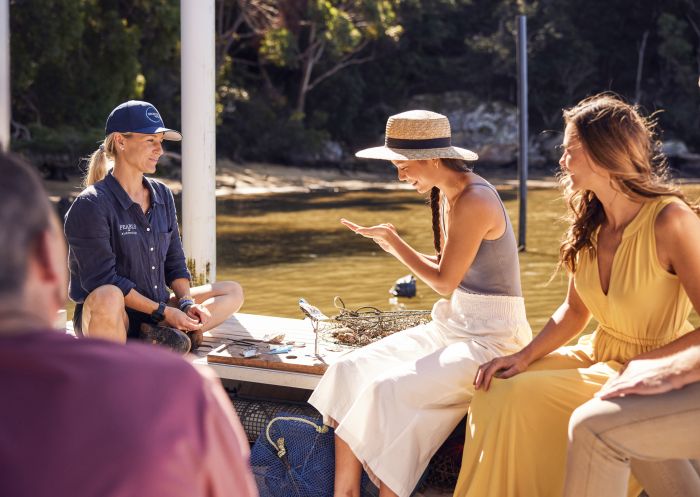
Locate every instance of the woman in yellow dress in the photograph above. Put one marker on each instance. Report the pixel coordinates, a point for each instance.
(632, 254)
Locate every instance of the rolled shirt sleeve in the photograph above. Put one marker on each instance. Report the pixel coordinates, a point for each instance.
(175, 263)
(88, 234)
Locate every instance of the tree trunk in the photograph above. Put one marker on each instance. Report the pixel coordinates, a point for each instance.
(304, 87)
(308, 61)
(640, 67)
(271, 90)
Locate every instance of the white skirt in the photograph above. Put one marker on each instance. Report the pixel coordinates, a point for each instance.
(395, 401)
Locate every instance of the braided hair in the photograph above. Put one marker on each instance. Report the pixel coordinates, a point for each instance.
(456, 165)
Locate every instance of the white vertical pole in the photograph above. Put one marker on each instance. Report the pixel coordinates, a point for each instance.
(199, 138)
(5, 99)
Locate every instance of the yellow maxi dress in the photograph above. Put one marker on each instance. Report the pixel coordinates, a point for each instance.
(517, 431)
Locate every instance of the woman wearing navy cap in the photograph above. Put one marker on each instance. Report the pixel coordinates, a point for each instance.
(125, 249)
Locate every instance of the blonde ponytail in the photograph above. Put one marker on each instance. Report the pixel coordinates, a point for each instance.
(101, 161)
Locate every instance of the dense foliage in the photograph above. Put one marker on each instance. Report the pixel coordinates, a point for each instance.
(293, 74)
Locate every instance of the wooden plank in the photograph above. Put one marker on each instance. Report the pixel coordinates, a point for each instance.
(295, 361)
(299, 359)
(263, 376)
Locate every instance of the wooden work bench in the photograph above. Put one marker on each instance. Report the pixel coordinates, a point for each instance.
(299, 368)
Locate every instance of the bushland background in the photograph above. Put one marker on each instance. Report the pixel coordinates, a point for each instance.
(307, 82)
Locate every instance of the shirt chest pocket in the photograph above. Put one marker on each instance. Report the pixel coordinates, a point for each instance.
(164, 243)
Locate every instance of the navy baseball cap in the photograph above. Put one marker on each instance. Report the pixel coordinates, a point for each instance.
(136, 116)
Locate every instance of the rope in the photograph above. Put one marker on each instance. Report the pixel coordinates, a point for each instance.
(279, 445)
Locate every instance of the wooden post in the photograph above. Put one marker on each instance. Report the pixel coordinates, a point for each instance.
(199, 138)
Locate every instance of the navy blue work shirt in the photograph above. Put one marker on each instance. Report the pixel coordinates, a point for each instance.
(112, 242)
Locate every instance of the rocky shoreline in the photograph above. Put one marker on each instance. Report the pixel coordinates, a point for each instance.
(257, 178)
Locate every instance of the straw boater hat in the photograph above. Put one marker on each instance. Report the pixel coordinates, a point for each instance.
(416, 135)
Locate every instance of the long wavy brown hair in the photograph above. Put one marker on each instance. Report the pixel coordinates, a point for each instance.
(458, 165)
(618, 138)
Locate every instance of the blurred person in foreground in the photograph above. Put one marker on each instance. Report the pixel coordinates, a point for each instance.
(125, 249)
(92, 418)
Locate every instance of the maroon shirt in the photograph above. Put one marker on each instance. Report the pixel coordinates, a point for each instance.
(92, 418)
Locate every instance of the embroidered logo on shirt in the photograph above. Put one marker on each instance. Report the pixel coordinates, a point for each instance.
(127, 229)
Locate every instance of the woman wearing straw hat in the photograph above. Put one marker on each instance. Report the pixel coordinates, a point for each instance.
(125, 249)
(394, 402)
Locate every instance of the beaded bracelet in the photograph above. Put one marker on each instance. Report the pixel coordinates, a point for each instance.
(185, 304)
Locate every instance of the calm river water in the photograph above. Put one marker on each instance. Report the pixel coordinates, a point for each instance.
(283, 247)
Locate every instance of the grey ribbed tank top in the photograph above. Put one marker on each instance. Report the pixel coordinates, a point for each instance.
(495, 269)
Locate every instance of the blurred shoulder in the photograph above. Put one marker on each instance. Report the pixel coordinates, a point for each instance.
(114, 363)
(146, 358)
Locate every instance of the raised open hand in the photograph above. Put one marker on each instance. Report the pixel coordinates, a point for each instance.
(383, 234)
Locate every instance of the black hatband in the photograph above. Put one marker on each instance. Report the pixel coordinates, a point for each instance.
(418, 144)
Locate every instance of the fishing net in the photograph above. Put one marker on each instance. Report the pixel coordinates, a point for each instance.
(295, 457)
(365, 325)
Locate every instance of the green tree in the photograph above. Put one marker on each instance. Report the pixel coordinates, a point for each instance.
(72, 60)
(294, 73)
(318, 38)
(40, 41)
(156, 24)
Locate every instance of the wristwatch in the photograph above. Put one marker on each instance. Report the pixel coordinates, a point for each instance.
(159, 314)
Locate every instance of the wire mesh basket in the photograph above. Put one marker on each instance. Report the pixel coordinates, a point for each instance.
(255, 414)
(365, 325)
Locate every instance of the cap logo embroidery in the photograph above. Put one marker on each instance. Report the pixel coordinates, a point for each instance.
(152, 114)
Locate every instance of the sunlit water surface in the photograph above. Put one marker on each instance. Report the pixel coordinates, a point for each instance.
(283, 247)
